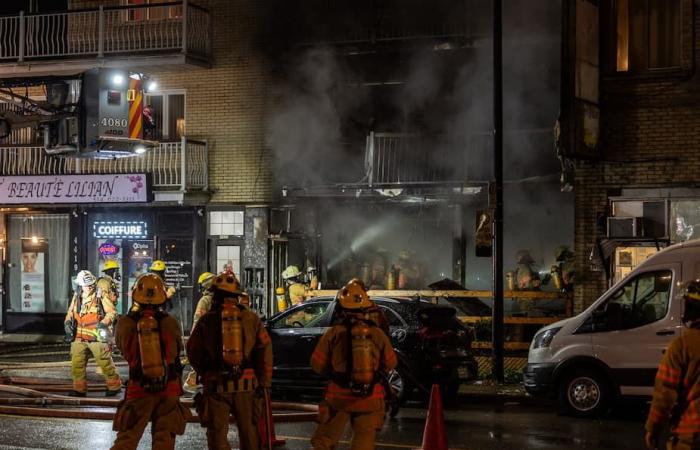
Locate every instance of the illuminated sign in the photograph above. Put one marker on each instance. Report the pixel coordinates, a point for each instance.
(120, 230)
(108, 249)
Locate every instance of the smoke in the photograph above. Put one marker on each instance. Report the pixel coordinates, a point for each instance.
(304, 131)
(329, 102)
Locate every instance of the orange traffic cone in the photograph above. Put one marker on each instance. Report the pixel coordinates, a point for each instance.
(266, 428)
(434, 437)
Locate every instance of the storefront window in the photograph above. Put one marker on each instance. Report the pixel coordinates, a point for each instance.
(228, 258)
(627, 258)
(39, 255)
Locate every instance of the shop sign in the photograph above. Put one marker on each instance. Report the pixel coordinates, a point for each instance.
(109, 188)
(120, 230)
(108, 249)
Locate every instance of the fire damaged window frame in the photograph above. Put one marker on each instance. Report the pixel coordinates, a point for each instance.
(638, 65)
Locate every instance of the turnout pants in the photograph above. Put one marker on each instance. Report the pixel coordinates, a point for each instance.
(332, 424)
(80, 353)
(214, 412)
(167, 415)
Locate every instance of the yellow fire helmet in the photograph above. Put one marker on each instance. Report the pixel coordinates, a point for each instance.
(227, 282)
(353, 295)
(158, 266)
(149, 290)
(110, 264)
(290, 272)
(205, 279)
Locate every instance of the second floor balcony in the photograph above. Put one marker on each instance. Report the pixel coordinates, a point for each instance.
(175, 168)
(143, 35)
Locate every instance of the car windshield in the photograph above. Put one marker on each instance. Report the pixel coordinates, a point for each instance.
(306, 316)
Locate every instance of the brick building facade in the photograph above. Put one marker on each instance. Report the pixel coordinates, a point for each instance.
(649, 134)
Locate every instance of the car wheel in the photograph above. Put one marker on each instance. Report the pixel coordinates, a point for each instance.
(584, 393)
(399, 384)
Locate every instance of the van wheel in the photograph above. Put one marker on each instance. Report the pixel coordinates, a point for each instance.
(584, 393)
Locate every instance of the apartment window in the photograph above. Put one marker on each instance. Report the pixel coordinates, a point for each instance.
(643, 35)
(152, 10)
(168, 112)
(226, 223)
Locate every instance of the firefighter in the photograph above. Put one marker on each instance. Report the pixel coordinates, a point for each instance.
(151, 341)
(87, 323)
(563, 273)
(356, 355)
(107, 283)
(158, 268)
(526, 277)
(407, 270)
(312, 277)
(203, 307)
(295, 288)
(231, 350)
(677, 389)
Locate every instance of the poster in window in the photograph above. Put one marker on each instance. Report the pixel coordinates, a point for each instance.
(33, 278)
(140, 257)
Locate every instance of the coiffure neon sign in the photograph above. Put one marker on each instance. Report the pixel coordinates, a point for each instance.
(120, 230)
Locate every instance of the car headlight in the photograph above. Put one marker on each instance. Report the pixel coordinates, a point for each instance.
(544, 338)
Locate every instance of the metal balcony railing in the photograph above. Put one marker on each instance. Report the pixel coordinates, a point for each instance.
(179, 165)
(405, 159)
(108, 30)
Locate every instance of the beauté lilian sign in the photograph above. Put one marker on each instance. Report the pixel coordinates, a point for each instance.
(110, 188)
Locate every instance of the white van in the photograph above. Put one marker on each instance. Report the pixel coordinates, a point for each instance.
(614, 347)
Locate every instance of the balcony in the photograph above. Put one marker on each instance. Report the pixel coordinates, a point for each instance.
(136, 36)
(399, 159)
(175, 168)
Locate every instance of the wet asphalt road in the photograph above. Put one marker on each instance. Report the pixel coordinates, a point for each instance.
(472, 427)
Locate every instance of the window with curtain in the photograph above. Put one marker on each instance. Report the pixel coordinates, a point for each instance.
(55, 230)
(643, 35)
(153, 11)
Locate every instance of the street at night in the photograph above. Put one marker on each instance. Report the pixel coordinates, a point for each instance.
(479, 426)
(419, 224)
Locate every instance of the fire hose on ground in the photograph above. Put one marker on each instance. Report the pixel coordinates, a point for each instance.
(34, 402)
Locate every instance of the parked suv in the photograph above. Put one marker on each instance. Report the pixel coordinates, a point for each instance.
(431, 344)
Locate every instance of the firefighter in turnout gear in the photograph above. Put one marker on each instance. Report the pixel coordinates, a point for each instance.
(151, 341)
(232, 353)
(86, 324)
(203, 307)
(355, 354)
(158, 268)
(295, 288)
(677, 388)
(107, 283)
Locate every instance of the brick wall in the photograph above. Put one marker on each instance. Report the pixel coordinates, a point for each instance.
(650, 137)
(226, 104)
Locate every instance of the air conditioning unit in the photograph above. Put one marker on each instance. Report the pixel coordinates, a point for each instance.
(625, 227)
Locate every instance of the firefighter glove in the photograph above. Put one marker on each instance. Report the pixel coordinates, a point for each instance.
(68, 327)
(103, 333)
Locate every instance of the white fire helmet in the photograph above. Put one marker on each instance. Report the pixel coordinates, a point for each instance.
(85, 278)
